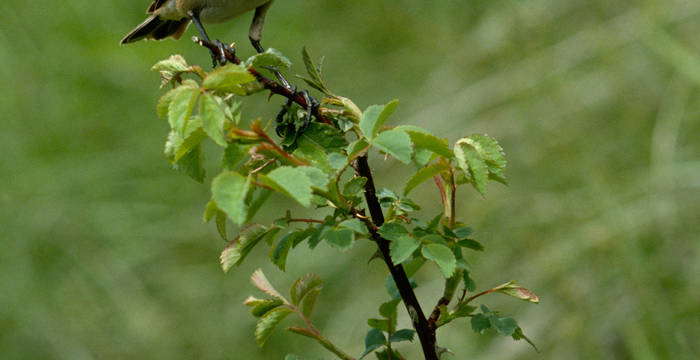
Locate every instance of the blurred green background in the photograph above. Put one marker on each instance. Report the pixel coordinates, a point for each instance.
(103, 253)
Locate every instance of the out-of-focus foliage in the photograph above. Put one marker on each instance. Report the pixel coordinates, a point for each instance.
(102, 254)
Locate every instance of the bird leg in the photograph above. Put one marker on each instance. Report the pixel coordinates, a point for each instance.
(216, 57)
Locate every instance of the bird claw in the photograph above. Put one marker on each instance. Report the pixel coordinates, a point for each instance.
(219, 57)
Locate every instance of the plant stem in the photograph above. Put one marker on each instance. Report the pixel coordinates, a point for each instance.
(426, 334)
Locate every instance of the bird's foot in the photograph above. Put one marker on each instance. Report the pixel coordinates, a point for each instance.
(218, 57)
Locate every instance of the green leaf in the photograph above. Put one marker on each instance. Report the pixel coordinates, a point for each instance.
(314, 154)
(506, 326)
(270, 58)
(469, 283)
(396, 143)
(314, 71)
(318, 178)
(210, 210)
(402, 247)
(213, 119)
(340, 238)
(422, 140)
(355, 225)
(490, 150)
(480, 323)
(337, 160)
(236, 251)
(164, 102)
(325, 136)
(422, 175)
(402, 335)
(257, 203)
(178, 145)
(260, 307)
(279, 252)
(267, 323)
(472, 163)
(292, 182)
(463, 231)
(442, 256)
(356, 147)
(174, 64)
(380, 324)
(228, 79)
(192, 164)
(181, 107)
(373, 340)
(388, 309)
(230, 190)
(221, 224)
(369, 119)
(354, 186)
(303, 285)
(471, 244)
(307, 304)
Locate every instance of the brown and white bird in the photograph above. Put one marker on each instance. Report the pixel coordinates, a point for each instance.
(171, 17)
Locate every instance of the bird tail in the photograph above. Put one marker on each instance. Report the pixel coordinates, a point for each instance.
(156, 28)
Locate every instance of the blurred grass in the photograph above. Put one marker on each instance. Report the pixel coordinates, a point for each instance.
(103, 253)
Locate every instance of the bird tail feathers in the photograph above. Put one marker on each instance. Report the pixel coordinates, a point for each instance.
(156, 28)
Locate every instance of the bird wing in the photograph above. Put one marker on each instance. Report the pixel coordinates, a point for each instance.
(155, 6)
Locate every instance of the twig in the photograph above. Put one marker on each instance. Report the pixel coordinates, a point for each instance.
(269, 84)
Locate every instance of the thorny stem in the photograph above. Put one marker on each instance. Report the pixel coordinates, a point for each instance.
(269, 84)
(426, 334)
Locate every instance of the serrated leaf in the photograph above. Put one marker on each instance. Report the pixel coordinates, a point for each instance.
(506, 325)
(422, 175)
(228, 79)
(471, 244)
(396, 143)
(318, 178)
(354, 186)
(469, 283)
(369, 119)
(164, 102)
(175, 63)
(380, 324)
(472, 163)
(374, 339)
(402, 335)
(388, 309)
(337, 160)
(278, 253)
(261, 282)
(213, 119)
(230, 190)
(292, 182)
(442, 256)
(402, 247)
(427, 141)
(221, 224)
(462, 232)
(181, 107)
(325, 136)
(192, 164)
(261, 306)
(480, 323)
(357, 147)
(303, 285)
(267, 323)
(490, 150)
(307, 304)
(270, 58)
(341, 239)
(355, 225)
(237, 250)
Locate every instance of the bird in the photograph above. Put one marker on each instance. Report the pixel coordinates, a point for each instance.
(170, 18)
